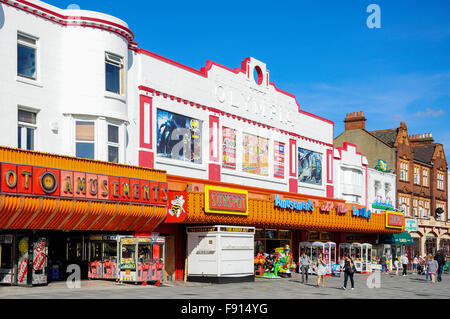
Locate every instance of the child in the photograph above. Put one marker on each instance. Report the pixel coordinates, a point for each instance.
(396, 265)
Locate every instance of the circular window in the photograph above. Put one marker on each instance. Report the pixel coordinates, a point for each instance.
(258, 75)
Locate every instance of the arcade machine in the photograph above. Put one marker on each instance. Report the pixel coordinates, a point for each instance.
(344, 250)
(102, 257)
(356, 254)
(366, 258)
(333, 268)
(141, 259)
(31, 260)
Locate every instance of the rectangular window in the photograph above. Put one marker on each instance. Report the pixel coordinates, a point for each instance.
(114, 73)
(440, 181)
(417, 175)
(404, 171)
(255, 159)
(26, 130)
(310, 168)
(228, 148)
(425, 177)
(113, 143)
(85, 139)
(26, 56)
(179, 137)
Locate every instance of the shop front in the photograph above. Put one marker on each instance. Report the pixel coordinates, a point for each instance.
(57, 211)
(282, 220)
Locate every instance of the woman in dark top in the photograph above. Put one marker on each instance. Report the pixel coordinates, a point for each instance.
(349, 271)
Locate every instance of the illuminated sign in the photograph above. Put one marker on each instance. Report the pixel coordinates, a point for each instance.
(362, 212)
(293, 204)
(394, 220)
(221, 200)
(177, 207)
(20, 179)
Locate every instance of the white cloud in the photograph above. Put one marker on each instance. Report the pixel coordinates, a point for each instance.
(429, 113)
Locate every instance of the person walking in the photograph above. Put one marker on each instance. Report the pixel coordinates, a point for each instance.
(349, 271)
(433, 267)
(304, 264)
(415, 263)
(440, 258)
(383, 262)
(427, 274)
(404, 260)
(321, 268)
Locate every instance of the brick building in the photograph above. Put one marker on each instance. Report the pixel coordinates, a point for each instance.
(422, 179)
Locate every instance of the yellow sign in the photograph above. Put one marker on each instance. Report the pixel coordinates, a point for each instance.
(229, 201)
(394, 220)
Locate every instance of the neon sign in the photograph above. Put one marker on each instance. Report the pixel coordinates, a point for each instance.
(293, 204)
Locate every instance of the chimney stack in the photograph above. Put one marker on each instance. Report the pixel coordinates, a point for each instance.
(421, 139)
(355, 121)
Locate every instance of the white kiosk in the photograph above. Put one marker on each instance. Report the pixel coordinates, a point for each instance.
(366, 258)
(220, 254)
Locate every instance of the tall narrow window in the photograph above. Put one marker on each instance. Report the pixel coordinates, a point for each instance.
(440, 181)
(85, 139)
(114, 73)
(425, 177)
(404, 171)
(416, 175)
(113, 143)
(26, 130)
(26, 56)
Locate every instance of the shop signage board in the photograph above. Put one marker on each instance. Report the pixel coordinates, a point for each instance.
(30, 180)
(411, 225)
(394, 220)
(222, 200)
(177, 207)
(293, 204)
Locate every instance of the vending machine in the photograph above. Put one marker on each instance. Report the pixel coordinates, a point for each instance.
(31, 261)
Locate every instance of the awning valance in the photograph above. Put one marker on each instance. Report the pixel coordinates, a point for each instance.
(397, 239)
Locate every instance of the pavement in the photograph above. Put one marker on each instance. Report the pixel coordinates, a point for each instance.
(381, 286)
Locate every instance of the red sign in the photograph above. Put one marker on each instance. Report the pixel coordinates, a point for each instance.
(177, 207)
(42, 181)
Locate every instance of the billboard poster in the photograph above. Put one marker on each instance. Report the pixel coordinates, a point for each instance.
(309, 167)
(228, 148)
(279, 160)
(179, 137)
(255, 159)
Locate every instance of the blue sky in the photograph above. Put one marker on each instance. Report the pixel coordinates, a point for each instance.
(321, 51)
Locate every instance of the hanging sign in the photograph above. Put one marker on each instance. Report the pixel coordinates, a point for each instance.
(177, 207)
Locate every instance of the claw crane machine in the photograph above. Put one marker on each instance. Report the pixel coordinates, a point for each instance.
(141, 259)
(356, 254)
(366, 258)
(102, 254)
(345, 249)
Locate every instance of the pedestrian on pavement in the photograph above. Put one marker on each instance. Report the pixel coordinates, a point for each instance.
(432, 268)
(383, 262)
(427, 274)
(321, 269)
(349, 271)
(404, 260)
(440, 258)
(396, 265)
(415, 263)
(304, 264)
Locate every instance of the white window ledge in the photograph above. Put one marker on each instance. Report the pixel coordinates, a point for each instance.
(29, 81)
(111, 95)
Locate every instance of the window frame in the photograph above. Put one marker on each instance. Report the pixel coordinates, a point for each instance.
(117, 61)
(93, 121)
(113, 144)
(24, 126)
(35, 47)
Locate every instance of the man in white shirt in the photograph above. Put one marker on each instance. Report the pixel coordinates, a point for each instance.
(404, 260)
